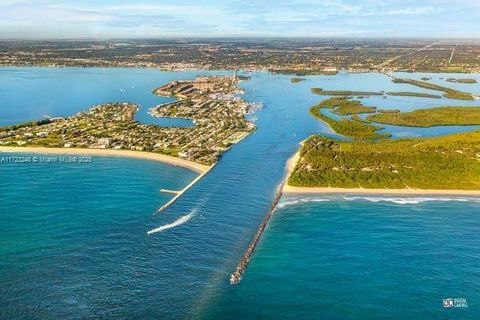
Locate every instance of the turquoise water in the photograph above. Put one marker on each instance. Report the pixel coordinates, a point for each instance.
(74, 240)
(362, 258)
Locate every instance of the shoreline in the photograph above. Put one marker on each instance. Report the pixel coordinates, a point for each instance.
(197, 167)
(291, 190)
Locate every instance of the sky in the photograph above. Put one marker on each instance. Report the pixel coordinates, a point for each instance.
(108, 19)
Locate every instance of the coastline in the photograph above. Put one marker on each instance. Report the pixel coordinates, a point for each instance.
(291, 190)
(197, 167)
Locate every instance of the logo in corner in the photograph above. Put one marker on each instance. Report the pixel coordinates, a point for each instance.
(455, 303)
(448, 303)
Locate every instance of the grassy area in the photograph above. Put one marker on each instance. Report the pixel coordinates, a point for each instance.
(322, 92)
(349, 128)
(345, 106)
(450, 162)
(296, 80)
(447, 92)
(461, 80)
(414, 94)
(440, 116)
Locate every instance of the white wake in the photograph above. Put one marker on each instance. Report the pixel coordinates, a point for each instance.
(174, 224)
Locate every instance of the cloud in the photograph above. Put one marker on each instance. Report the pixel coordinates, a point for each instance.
(149, 18)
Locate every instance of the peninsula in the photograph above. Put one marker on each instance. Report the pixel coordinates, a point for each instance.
(439, 116)
(218, 114)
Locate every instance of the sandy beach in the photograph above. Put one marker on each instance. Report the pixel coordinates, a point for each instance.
(290, 190)
(200, 168)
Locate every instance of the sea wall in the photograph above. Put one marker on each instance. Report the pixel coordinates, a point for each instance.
(236, 276)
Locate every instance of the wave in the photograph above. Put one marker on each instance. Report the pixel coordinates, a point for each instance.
(413, 200)
(288, 201)
(176, 223)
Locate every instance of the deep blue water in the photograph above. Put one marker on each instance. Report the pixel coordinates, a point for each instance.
(74, 237)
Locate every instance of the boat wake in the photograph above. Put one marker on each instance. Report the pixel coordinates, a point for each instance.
(176, 223)
(406, 200)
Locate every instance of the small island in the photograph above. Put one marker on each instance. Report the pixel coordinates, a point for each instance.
(296, 80)
(462, 80)
(414, 94)
(447, 92)
(321, 92)
(440, 116)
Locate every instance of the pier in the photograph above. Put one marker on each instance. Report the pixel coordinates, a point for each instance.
(236, 277)
(178, 194)
(169, 191)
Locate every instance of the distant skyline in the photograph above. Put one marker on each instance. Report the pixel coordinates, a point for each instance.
(104, 19)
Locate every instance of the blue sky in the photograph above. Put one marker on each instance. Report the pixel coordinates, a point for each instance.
(209, 18)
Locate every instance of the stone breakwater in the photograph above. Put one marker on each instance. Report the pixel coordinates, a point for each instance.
(236, 276)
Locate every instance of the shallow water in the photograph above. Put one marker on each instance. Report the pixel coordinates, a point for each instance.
(74, 239)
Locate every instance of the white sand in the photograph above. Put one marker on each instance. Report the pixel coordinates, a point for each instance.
(200, 168)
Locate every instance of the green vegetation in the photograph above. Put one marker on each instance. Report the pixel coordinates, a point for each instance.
(450, 162)
(346, 106)
(440, 116)
(414, 94)
(322, 92)
(296, 80)
(327, 72)
(448, 92)
(356, 117)
(28, 124)
(349, 128)
(389, 110)
(461, 80)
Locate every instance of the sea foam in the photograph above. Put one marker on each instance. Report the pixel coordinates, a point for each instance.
(406, 200)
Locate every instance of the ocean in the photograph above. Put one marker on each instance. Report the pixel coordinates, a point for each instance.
(74, 242)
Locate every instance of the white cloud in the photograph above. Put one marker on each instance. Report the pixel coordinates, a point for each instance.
(236, 17)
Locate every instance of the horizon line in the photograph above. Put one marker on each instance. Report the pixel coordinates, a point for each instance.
(240, 37)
